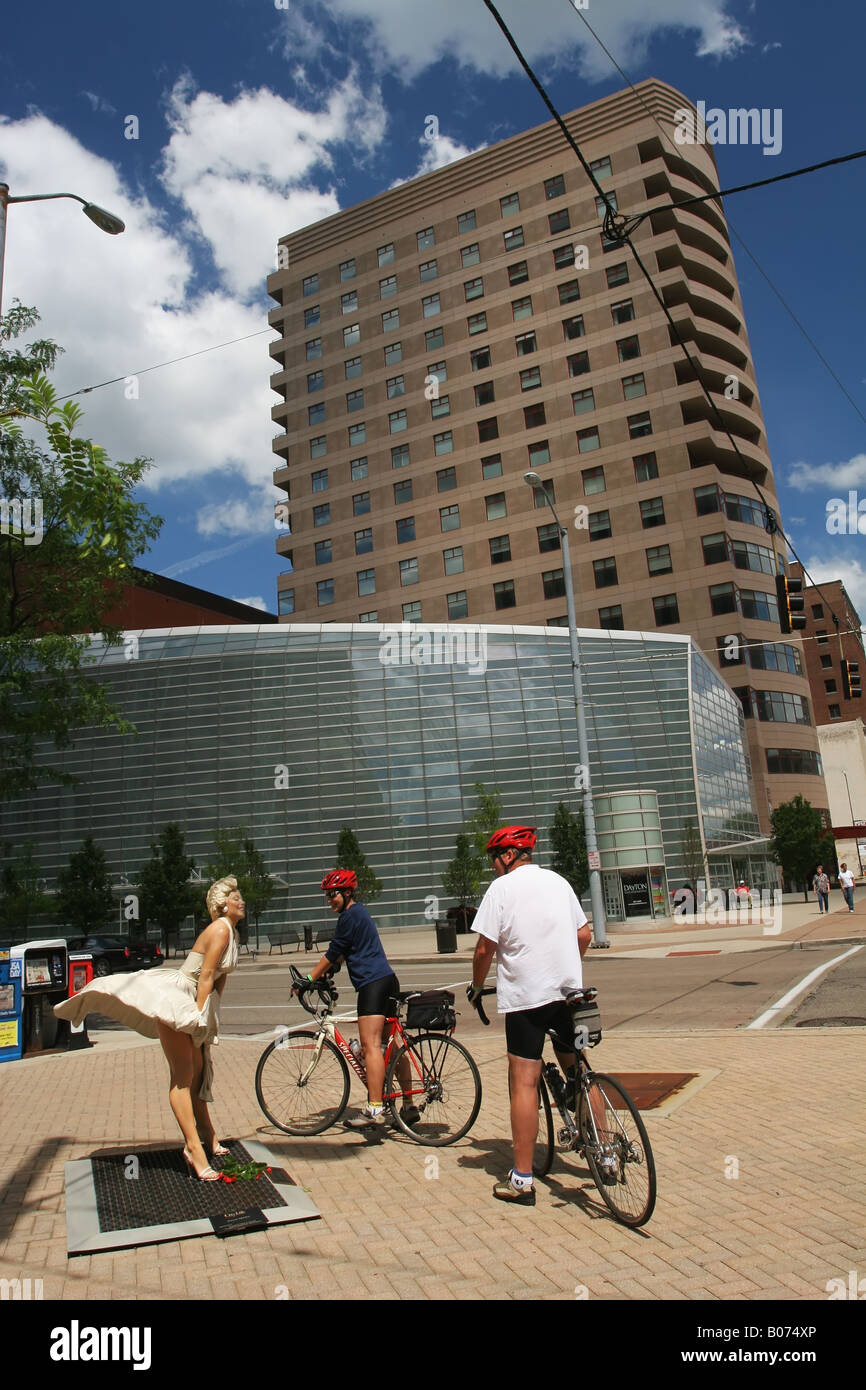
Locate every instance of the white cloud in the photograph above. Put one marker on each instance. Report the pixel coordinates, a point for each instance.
(98, 103)
(851, 572)
(851, 473)
(768, 47)
(469, 34)
(205, 557)
(251, 515)
(436, 153)
(257, 602)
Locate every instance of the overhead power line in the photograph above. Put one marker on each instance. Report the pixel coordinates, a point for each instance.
(142, 371)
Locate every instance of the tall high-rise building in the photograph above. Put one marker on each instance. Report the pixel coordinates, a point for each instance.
(442, 339)
(836, 692)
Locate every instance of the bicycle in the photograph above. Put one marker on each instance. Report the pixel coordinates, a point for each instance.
(303, 1076)
(593, 1120)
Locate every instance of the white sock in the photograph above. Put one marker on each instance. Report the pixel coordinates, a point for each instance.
(520, 1181)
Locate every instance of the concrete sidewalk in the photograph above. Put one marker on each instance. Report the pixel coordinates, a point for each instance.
(759, 1169)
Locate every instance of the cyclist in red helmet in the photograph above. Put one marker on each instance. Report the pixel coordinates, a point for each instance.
(531, 921)
(356, 941)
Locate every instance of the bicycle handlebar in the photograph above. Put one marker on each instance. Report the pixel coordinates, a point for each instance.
(324, 987)
(479, 1007)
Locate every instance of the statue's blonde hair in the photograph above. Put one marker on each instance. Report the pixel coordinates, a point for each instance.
(218, 896)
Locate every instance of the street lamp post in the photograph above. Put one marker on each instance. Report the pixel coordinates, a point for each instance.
(106, 221)
(851, 809)
(598, 925)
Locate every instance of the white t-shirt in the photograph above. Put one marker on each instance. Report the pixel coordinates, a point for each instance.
(846, 878)
(533, 917)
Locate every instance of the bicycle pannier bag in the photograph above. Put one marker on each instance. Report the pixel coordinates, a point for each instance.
(586, 1017)
(434, 1009)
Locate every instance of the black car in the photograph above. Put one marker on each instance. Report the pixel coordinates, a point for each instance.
(111, 954)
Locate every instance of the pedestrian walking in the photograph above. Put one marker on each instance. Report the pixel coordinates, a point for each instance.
(846, 883)
(821, 885)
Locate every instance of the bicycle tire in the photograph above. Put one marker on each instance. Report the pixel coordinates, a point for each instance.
(280, 1094)
(631, 1195)
(445, 1086)
(542, 1153)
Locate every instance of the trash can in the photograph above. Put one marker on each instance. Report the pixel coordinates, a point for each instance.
(446, 937)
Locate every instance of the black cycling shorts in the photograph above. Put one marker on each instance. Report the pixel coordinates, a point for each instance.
(526, 1029)
(379, 997)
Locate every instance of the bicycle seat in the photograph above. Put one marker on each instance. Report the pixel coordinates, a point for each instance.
(587, 995)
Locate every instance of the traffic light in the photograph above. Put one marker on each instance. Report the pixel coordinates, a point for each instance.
(789, 595)
(851, 688)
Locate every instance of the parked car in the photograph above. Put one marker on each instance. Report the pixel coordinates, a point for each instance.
(111, 954)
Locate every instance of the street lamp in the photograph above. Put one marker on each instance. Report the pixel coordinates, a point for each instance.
(851, 809)
(598, 931)
(106, 221)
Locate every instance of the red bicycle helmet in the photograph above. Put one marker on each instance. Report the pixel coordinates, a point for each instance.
(340, 880)
(522, 837)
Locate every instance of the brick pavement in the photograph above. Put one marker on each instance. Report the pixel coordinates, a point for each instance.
(786, 1105)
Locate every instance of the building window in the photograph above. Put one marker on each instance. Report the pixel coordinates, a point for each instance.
(834, 711)
(756, 603)
(387, 287)
(578, 363)
(320, 480)
(355, 400)
(488, 429)
(539, 453)
(431, 306)
(554, 187)
(525, 343)
(395, 386)
(352, 367)
(747, 555)
(588, 440)
(366, 582)
(599, 526)
(443, 443)
(446, 479)
(509, 205)
(390, 320)
(311, 316)
(470, 255)
(530, 378)
(553, 582)
(645, 468)
(491, 466)
(386, 254)
(412, 612)
(504, 595)
(347, 270)
(623, 312)
(563, 257)
(477, 323)
(393, 353)
(830, 687)
(666, 610)
(324, 592)
(500, 549)
(480, 359)
(639, 425)
(518, 273)
(405, 529)
(439, 370)
(541, 494)
(593, 481)
(795, 761)
(351, 335)
(777, 706)
(558, 221)
(322, 514)
(449, 518)
(428, 270)
(313, 349)
(484, 393)
(361, 503)
(608, 201)
(359, 469)
(723, 599)
(357, 434)
(601, 167)
(611, 618)
(364, 541)
(457, 605)
(568, 291)
(369, 617)
(715, 548)
(495, 506)
(323, 552)
(513, 239)
(425, 239)
(573, 328)
(628, 348)
(617, 275)
(400, 456)
(397, 420)
(349, 302)
(311, 285)
(408, 572)
(466, 222)
(318, 446)
(775, 656)
(658, 559)
(822, 637)
(652, 512)
(534, 416)
(817, 610)
(286, 601)
(548, 538)
(633, 386)
(521, 308)
(316, 413)
(440, 407)
(605, 572)
(582, 401)
(403, 492)
(707, 499)
(453, 559)
(826, 662)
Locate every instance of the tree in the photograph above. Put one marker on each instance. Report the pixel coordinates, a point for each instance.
(70, 534)
(85, 902)
(692, 853)
(351, 856)
(486, 818)
(461, 878)
(797, 836)
(237, 855)
(166, 894)
(21, 898)
(568, 841)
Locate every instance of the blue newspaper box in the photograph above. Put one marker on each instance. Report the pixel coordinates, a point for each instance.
(10, 1007)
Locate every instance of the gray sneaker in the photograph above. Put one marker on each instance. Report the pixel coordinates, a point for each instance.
(366, 1119)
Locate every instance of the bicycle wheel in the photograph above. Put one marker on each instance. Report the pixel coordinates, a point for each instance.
(302, 1090)
(441, 1082)
(542, 1154)
(621, 1163)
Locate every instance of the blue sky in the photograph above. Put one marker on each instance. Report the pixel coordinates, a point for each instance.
(254, 119)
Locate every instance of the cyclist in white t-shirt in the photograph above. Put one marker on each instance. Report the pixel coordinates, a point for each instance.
(534, 925)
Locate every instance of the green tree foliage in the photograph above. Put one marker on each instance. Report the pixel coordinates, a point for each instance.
(568, 842)
(486, 818)
(692, 853)
(237, 855)
(21, 898)
(70, 535)
(461, 878)
(798, 833)
(166, 895)
(351, 856)
(85, 902)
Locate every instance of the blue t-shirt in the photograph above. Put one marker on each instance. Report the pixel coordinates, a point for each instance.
(357, 941)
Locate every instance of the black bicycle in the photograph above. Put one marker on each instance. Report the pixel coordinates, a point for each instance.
(600, 1121)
